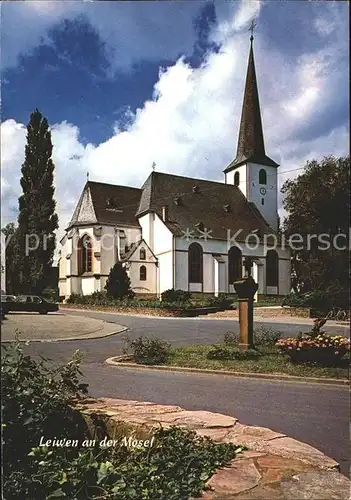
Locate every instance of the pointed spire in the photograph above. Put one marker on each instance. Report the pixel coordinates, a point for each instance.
(251, 142)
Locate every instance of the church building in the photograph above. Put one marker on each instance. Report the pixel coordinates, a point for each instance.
(181, 232)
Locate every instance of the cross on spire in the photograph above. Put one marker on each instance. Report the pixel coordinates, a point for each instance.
(252, 29)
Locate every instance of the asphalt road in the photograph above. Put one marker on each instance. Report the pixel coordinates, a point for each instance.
(316, 414)
(180, 331)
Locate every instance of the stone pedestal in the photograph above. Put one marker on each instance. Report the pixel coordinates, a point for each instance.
(246, 289)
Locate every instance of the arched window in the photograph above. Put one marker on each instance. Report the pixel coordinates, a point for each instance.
(85, 255)
(234, 265)
(262, 176)
(142, 273)
(142, 254)
(195, 263)
(272, 268)
(236, 179)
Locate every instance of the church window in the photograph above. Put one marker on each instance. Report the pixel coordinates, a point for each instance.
(142, 273)
(236, 179)
(195, 263)
(262, 176)
(262, 201)
(272, 268)
(142, 254)
(234, 264)
(84, 255)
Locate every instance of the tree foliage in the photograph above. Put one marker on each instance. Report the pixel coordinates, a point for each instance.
(318, 203)
(36, 204)
(37, 219)
(118, 283)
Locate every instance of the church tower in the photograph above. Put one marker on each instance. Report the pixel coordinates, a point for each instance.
(252, 170)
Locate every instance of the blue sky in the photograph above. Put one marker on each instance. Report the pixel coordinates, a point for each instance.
(124, 84)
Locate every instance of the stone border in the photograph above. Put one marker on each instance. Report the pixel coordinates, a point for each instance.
(103, 332)
(276, 467)
(121, 362)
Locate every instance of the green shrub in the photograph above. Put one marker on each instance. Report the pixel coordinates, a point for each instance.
(118, 283)
(35, 402)
(224, 353)
(231, 339)
(176, 467)
(173, 295)
(149, 350)
(102, 299)
(321, 300)
(223, 301)
(262, 336)
(76, 298)
(266, 336)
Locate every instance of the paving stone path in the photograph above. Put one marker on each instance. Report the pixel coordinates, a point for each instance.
(276, 467)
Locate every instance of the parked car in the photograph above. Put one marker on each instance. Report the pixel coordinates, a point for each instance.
(29, 303)
(4, 299)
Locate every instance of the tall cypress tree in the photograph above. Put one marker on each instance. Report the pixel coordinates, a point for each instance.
(37, 219)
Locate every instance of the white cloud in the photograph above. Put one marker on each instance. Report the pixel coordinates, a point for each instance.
(131, 31)
(248, 10)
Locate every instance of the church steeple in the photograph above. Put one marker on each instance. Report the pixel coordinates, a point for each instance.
(251, 143)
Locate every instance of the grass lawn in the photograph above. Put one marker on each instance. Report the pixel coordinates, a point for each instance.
(271, 362)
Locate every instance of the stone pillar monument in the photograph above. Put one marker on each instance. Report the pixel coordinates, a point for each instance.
(246, 289)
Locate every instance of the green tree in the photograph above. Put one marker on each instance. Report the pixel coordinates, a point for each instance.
(37, 220)
(118, 283)
(318, 203)
(13, 258)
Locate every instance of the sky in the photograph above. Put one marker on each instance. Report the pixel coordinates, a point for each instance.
(128, 84)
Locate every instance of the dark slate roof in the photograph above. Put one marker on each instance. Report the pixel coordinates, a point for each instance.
(206, 205)
(251, 143)
(126, 255)
(123, 199)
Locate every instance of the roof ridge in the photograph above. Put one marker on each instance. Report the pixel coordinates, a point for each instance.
(195, 179)
(112, 185)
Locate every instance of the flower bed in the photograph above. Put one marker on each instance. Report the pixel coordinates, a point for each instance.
(322, 349)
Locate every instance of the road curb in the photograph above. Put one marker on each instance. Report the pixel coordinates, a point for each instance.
(117, 361)
(88, 336)
(258, 319)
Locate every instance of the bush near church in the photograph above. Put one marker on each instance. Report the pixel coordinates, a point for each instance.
(148, 350)
(173, 295)
(118, 283)
(322, 301)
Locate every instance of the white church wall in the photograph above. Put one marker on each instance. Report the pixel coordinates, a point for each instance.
(88, 285)
(270, 208)
(208, 273)
(107, 243)
(163, 238)
(181, 275)
(284, 276)
(147, 228)
(62, 288)
(163, 243)
(242, 178)
(147, 286)
(165, 271)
